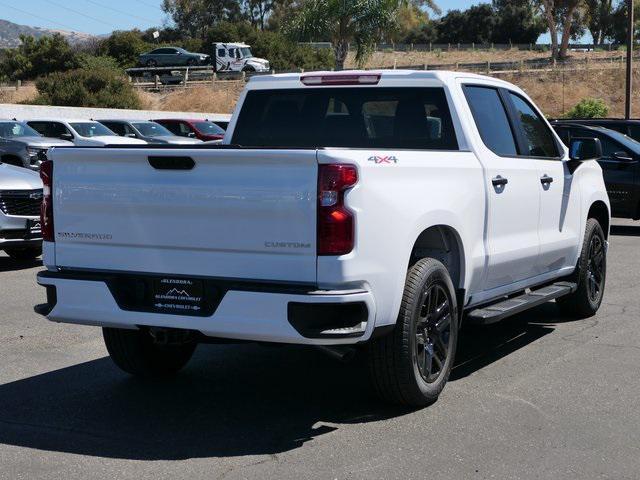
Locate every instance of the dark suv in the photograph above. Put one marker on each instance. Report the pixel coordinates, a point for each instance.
(630, 128)
(620, 164)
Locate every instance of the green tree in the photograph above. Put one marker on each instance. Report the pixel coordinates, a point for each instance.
(361, 22)
(195, 17)
(599, 15)
(257, 11)
(619, 23)
(96, 87)
(36, 57)
(410, 18)
(517, 21)
(563, 16)
(124, 47)
(476, 24)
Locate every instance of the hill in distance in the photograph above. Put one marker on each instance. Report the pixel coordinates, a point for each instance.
(10, 34)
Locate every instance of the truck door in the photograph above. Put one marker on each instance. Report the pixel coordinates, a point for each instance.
(559, 226)
(513, 209)
(222, 59)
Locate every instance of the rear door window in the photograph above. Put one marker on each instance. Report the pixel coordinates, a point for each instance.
(359, 117)
(491, 119)
(173, 127)
(49, 129)
(115, 127)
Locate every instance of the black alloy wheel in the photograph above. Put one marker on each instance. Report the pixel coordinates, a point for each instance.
(433, 332)
(595, 269)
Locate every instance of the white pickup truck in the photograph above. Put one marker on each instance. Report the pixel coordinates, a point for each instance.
(376, 209)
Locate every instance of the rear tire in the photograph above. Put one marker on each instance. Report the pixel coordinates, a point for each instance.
(152, 63)
(411, 365)
(24, 254)
(135, 352)
(590, 275)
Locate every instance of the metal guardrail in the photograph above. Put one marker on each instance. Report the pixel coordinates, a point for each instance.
(159, 78)
(162, 77)
(434, 47)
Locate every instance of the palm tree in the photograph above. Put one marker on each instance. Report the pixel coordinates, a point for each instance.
(346, 21)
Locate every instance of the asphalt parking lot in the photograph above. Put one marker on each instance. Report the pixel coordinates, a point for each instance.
(533, 397)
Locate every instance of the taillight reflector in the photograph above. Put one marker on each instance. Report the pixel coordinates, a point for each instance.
(46, 209)
(335, 222)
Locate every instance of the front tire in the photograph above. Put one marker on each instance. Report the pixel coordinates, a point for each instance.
(135, 352)
(590, 275)
(24, 254)
(411, 365)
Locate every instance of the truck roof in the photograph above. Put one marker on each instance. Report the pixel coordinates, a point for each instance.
(233, 44)
(389, 77)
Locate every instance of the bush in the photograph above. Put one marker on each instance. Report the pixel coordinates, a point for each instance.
(589, 108)
(125, 47)
(95, 62)
(87, 87)
(37, 57)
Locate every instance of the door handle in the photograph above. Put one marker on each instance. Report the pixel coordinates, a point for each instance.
(546, 179)
(499, 181)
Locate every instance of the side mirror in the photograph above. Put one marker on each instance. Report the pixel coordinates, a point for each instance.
(66, 136)
(130, 135)
(191, 135)
(585, 149)
(622, 157)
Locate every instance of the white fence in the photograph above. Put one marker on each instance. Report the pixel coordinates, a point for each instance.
(25, 112)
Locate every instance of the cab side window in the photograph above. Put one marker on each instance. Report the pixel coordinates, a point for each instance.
(491, 119)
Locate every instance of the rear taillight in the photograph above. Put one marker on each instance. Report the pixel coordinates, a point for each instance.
(335, 221)
(46, 209)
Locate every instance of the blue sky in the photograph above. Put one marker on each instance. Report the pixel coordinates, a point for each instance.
(104, 16)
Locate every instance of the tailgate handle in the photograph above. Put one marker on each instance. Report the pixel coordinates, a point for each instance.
(172, 163)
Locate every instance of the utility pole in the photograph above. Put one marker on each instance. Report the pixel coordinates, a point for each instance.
(630, 35)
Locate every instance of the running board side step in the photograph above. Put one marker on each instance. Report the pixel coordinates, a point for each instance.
(511, 306)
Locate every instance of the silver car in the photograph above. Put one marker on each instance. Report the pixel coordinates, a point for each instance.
(20, 200)
(22, 146)
(148, 131)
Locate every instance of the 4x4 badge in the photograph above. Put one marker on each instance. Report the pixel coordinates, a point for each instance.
(379, 159)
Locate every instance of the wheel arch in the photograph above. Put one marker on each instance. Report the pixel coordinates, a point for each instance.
(443, 243)
(600, 212)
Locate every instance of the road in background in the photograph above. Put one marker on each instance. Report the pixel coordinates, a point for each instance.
(533, 397)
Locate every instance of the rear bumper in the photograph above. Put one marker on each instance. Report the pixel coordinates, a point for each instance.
(273, 314)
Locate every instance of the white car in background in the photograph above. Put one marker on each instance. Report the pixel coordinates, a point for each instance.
(83, 133)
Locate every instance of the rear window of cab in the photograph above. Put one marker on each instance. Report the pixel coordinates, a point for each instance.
(358, 117)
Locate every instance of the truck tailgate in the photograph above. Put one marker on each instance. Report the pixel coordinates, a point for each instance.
(241, 214)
